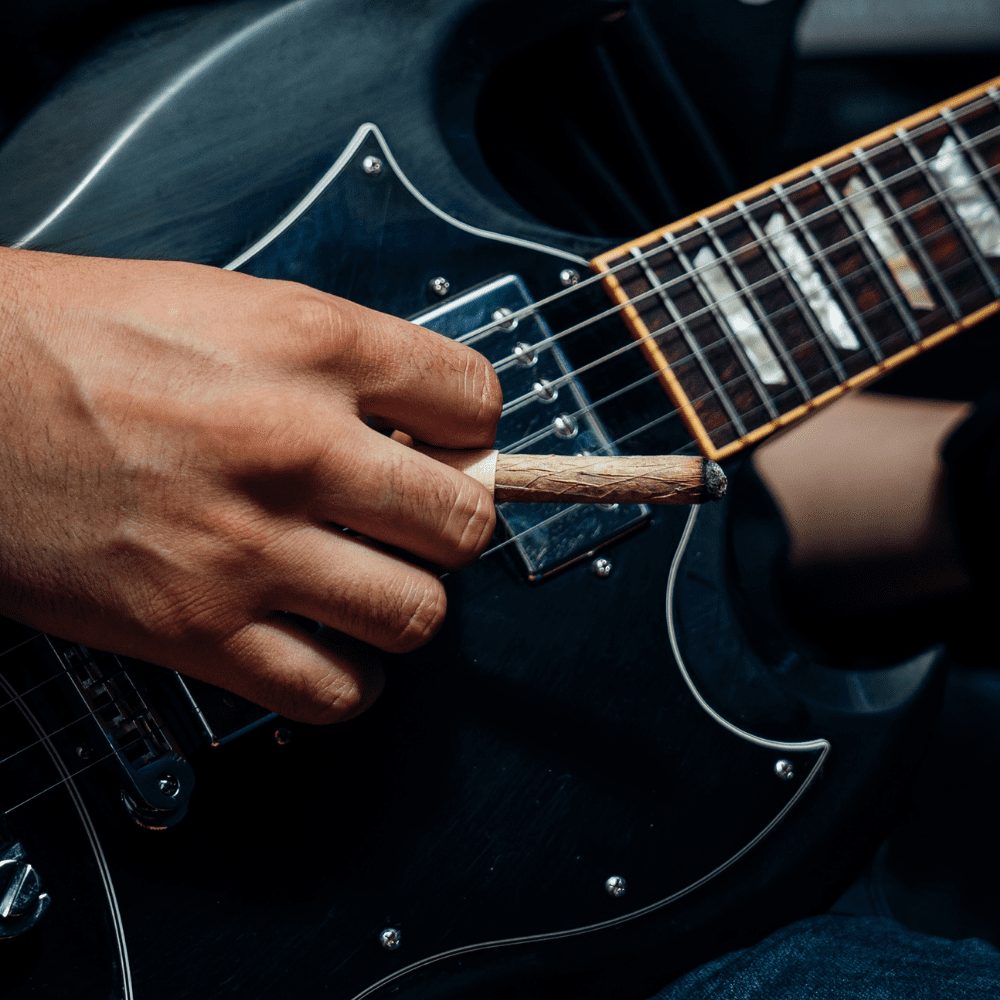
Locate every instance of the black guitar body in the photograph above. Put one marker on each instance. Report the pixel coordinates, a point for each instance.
(651, 724)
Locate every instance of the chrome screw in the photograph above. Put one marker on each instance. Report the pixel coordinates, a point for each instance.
(372, 166)
(439, 286)
(616, 886)
(568, 277)
(391, 938)
(169, 785)
(601, 567)
(784, 770)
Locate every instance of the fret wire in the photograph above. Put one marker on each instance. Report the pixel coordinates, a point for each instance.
(966, 145)
(691, 341)
(728, 261)
(527, 397)
(638, 342)
(831, 273)
(782, 272)
(945, 203)
(870, 251)
(900, 215)
(733, 340)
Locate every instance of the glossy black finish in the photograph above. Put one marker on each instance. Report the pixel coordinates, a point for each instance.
(547, 739)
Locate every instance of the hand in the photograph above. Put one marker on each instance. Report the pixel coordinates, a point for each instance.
(178, 442)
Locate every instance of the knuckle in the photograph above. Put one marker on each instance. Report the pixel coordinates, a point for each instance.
(332, 697)
(425, 615)
(319, 322)
(474, 519)
(483, 387)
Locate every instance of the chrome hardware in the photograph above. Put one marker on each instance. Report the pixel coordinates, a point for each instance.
(439, 286)
(525, 355)
(565, 426)
(569, 277)
(616, 886)
(169, 785)
(601, 567)
(500, 316)
(784, 770)
(157, 777)
(391, 938)
(545, 391)
(282, 736)
(607, 506)
(22, 902)
(372, 166)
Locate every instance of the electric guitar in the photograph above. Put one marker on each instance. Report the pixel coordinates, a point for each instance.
(613, 762)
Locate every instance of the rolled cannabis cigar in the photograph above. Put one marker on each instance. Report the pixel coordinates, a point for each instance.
(659, 479)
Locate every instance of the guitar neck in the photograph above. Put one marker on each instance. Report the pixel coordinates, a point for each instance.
(768, 305)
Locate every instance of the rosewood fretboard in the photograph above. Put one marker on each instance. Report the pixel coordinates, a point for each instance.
(779, 299)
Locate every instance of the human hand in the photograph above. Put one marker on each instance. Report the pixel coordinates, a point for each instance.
(178, 441)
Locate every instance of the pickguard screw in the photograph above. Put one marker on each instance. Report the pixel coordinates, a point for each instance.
(784, 770)
(169, 785)
(372, 166)
(568, 277)
(601, 567)
(439, 286)
(391, 938)
(616, 886)
(282, 736)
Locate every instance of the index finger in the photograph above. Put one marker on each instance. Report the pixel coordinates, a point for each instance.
(418, 381)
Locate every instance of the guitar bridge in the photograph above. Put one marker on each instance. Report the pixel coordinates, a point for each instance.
(157, 778)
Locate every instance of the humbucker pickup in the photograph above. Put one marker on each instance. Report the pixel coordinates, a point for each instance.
(554, 415)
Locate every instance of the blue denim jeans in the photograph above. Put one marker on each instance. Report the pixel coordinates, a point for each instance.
(847, 958)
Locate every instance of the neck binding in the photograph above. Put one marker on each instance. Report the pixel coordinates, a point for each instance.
(764, 307)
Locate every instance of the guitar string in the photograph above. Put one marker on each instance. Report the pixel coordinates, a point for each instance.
(71, 775)
(89, 714)
(649, 425)
(548, 430)
(792, 308)
(890, 145)
(731, 257)
(738, 293)
(519, 402)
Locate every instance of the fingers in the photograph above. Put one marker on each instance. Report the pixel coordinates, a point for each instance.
(356, 589)
(406, 499)
(274, 665)
(439, 391)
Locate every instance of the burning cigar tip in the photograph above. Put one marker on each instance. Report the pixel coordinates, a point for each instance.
(715, 480)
